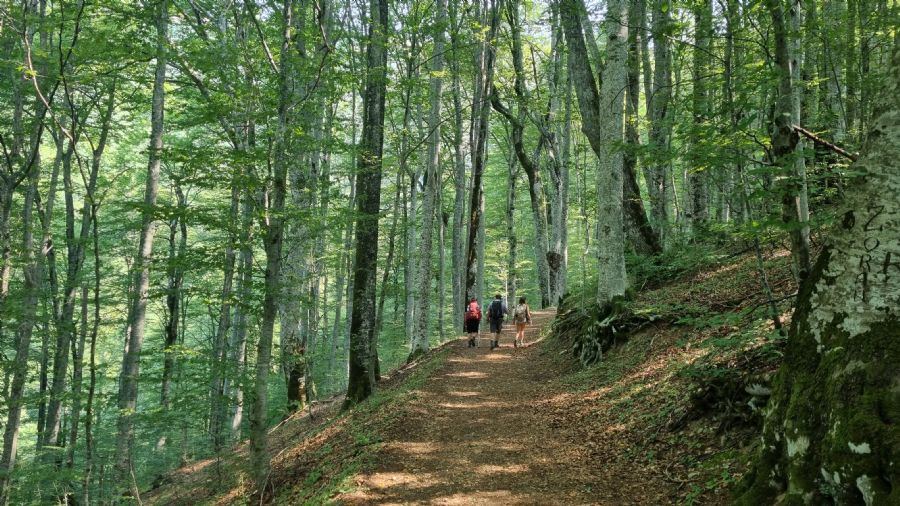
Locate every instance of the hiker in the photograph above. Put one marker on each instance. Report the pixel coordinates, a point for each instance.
(496, 312)
(521, 317)
(472, 321)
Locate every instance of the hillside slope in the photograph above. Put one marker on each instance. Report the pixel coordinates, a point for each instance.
(663, 418)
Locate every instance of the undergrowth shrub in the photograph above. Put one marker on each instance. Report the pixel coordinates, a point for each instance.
(653, 271)
(731, 382)
(590, 330)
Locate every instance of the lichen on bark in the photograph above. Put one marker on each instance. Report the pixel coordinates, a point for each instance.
(831, 433)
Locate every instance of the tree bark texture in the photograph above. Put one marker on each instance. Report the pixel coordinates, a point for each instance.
(602, 124)
(362, 321)
(134, 335)
(419, 339)
(830, 434)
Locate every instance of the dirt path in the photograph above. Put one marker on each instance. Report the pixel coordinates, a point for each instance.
(475, 434)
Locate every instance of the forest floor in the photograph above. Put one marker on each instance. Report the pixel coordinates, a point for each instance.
(476, 432)
(662, 419)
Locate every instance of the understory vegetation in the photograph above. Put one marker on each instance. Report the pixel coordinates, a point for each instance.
(686, 369)
(229, 227)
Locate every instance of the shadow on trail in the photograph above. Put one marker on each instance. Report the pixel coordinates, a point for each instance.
(473, 434)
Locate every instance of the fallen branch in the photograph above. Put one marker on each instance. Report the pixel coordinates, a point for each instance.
(779, 299)
(822, 142)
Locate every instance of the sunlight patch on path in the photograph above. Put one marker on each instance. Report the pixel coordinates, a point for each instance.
(474, 405)
(460, 393)
(504, 469)
(467, 374)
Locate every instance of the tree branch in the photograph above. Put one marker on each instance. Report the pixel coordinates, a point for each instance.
(822, 142)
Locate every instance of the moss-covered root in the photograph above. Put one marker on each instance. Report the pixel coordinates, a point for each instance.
(831, 434)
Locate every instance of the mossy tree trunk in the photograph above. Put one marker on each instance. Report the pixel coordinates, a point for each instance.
(363, 354)
(830, 434)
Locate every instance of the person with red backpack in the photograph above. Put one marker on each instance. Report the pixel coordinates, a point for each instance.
(472, 321)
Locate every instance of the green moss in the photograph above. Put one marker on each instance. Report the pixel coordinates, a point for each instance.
(840, 395)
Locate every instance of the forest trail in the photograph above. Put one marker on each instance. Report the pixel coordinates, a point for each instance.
(475, 434)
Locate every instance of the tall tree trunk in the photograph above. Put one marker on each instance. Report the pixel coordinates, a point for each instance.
(457, 267)
(658, 169)
(555, 132)
(217, 358)
(834, 13)
(174, 300)
(481, 108)
(345, 259)
(361, 382)
(613, 281)
(411, 215)
(603, 134)
(48, 259)
(78, 377)
(697, 177)
(238, 343)
(812, 60)
(92, 364)
(389, 259)
(420, 337)
(640, 233)
(296, 306)
(273, 234)
(443, 218)
(851, 66)
(134, 335)
(511, 238)
(784, 138)
(796, 203)
(33, 275)
(829, 436)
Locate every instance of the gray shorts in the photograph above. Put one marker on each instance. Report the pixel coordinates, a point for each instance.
(496, 325)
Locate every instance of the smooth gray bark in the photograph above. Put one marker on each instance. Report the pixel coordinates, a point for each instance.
(420, 337)
(457, 265)
(272, 225)
(696, 203)
(602, 124)
(134, 334)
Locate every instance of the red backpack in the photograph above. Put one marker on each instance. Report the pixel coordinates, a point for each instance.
(473, 312)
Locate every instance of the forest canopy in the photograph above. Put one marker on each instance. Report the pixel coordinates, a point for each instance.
(214, 213)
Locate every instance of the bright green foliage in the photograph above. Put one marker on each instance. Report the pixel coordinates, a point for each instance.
(221, 140)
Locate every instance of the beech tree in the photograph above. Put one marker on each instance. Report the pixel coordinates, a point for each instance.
(828, 432)
(137, 312)
(324, 187)
(602, 124)
(362, 320)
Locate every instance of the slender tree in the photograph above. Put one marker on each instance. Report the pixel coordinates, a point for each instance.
(420, 337)
(362, 319)
(137, 313)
